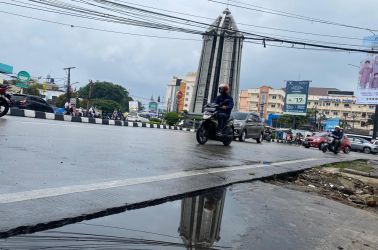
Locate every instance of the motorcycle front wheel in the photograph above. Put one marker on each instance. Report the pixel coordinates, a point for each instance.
(201, 135)
(4, 107)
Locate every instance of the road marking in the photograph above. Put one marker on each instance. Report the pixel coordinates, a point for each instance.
(52, 192)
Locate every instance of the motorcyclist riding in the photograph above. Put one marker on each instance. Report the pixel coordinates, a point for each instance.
(226, 104)
(338, 135)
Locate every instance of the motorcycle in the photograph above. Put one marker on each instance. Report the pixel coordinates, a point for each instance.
(5, 100)
(332, 145)
(267, 135)
(208, 127)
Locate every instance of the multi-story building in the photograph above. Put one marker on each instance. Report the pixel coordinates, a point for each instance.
(184, 85)
(266, 100)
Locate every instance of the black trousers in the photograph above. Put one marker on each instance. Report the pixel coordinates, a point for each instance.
(222, 120)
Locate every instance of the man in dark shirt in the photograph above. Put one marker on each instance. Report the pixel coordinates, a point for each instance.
(226, 104)
(338, 135)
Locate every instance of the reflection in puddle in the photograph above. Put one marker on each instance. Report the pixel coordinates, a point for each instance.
(201, 218)
(205, 221)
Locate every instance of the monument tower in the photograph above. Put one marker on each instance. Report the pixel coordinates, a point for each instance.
(219, 63)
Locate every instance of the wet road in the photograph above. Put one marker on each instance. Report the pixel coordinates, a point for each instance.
(246, 216)
(80, 169)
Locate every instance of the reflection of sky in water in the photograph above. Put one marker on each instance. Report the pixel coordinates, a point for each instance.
(155, 224)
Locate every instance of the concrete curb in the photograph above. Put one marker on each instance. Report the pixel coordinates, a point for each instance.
(352, 171)
(68, 118)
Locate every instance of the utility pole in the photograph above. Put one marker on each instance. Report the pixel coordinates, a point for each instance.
(69, 83)
(375, 129)
(89, 93)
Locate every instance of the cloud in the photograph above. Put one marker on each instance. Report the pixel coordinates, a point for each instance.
(145, 65)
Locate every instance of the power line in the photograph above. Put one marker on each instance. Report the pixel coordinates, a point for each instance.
(96, 29)
(252, 36)
(289, 15)
(245, 24)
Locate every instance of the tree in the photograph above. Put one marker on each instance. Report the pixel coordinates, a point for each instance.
(32, 90)
(171, 118)
(107, 91)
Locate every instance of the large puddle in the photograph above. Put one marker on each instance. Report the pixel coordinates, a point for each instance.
(206, 221)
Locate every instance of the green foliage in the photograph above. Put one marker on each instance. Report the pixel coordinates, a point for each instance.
(171, 118)
(32, 90)
(107, 91)
(157, 120)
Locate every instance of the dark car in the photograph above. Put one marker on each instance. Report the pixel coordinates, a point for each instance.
(31, 102)
(248, 125)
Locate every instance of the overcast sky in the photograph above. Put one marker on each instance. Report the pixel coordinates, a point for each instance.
(145, 65)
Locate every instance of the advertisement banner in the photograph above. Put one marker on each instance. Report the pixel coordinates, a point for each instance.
(367, 87)
(133, 107)
(296, 97)
(331, 123)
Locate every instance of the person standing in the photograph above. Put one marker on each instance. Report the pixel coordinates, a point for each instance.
(365, 73)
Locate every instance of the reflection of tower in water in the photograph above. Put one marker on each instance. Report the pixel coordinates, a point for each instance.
(201, 218)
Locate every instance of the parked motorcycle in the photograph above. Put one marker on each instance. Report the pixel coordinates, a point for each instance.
(331, 144)
(208, 127)
(5, 100)
(267, 135)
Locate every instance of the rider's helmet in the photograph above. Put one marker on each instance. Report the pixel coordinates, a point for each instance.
(223, 88)
(337, 128)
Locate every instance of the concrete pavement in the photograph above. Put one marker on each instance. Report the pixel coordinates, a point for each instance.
(55, 173)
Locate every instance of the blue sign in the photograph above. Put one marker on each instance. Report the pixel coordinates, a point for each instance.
(6, 69)
(331, 123)
(296, 97)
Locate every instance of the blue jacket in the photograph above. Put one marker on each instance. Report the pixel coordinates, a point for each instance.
(225, 100)
(338, 135)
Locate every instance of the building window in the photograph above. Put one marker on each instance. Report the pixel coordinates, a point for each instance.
(274, 97)
(186, 105)
(186, 99)
(316, 103)
(345, 114)
(328, 104)
(309, 103)
(336, 104)
(327, 112)
(363, 115)
(187, 88)
(371, 107)
(346, 105)
(273, 105)
(335, 113)
(257, 104)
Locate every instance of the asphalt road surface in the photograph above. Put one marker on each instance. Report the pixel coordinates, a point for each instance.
(54, 172)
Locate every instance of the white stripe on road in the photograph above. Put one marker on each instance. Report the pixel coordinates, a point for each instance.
(51, 192)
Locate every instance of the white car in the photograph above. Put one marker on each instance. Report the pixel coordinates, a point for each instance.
(136, 118)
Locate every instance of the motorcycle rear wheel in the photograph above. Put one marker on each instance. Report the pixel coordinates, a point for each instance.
(201, 135)
(4, 107)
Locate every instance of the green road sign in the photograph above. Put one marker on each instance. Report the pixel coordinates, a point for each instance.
(23, 76)
(22, 85)
(6, 69)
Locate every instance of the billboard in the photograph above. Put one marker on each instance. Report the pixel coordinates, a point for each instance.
(133, 107)
(296, 97)
(367, 86)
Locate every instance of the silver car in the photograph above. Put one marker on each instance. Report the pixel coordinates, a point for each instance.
(248, 125)
(362, 145)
